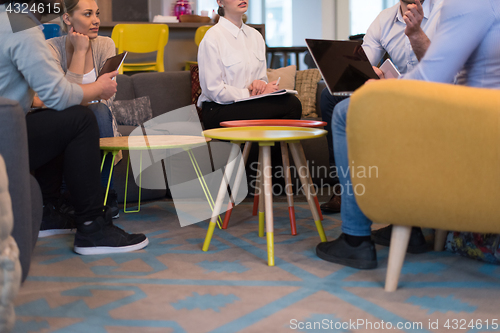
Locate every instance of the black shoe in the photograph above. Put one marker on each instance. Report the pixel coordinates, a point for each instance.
(54, 222)
(417, 243)
(340, 252)
(113, 204)
(333, 205)
(102, 237)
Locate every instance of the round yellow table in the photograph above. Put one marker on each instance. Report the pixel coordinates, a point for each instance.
(115, 144)
(265, 136)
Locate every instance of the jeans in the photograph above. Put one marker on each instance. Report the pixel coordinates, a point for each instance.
(105, 123)
(327, 104)
(354, 222)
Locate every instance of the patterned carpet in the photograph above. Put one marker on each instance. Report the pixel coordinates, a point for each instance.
(172, 286)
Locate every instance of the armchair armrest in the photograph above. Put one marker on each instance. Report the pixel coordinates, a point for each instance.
(429, 146)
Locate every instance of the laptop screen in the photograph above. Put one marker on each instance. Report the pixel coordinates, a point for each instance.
(343, 64)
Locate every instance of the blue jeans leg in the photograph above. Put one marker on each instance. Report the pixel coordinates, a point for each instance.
(327, 104)
(354, 222)
(105, 123)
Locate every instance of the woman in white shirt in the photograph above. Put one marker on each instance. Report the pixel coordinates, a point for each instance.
(232, 66)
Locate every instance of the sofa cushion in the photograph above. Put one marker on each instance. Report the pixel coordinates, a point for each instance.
(306, 83)
(167, 91)
(125, 89)
(195, 88)
(287, 75)
(133, 112)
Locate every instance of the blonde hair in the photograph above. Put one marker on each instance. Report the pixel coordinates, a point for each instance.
(69, 6)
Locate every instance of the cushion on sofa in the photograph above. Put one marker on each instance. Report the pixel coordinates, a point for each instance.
(195, 88)
(133, 112)
(306, 83)
(287, 75)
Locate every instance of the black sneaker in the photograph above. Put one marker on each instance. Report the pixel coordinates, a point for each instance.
(340, 252)
(416, 245)
(54, 222)
(113, 204)
(102, 237)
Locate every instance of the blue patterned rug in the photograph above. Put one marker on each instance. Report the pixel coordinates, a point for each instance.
(172, 286)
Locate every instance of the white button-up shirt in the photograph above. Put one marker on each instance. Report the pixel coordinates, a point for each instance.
(387, 34)
(229, 60)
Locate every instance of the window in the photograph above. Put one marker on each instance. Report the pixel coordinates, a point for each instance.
(363, 12)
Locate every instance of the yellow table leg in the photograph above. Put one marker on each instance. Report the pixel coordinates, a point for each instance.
(220, 196)
(203, 184)
(260, 191)
(268, 197)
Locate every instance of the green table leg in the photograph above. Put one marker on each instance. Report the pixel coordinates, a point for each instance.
(114, 152)
(126, 188)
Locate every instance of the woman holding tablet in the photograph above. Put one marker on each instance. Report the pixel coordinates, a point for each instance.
(80, 55)
(232, 66)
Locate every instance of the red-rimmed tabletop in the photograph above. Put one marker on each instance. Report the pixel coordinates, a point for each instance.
(274, 122)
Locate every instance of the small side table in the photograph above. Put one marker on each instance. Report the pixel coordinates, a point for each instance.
(286, 164)
(265, 136)
(115, 144)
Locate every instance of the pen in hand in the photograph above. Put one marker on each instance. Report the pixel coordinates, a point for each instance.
(278, 82)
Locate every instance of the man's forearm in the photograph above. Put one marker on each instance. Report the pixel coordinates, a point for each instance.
(419, 43)
(91, 92)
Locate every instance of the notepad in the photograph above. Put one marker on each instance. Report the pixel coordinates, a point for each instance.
(275, 93)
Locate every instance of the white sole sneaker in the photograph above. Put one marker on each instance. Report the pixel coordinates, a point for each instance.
(53, 232)
(108, 249)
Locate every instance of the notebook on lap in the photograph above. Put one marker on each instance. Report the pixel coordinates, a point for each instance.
(343, 64)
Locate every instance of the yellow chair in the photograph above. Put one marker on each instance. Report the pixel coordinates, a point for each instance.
(198, 36)
(436, 149)
(141, 38)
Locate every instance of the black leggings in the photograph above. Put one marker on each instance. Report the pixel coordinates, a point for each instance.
(67, 142)
(275, 107)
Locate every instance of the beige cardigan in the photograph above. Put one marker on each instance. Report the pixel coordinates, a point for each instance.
(102, 49)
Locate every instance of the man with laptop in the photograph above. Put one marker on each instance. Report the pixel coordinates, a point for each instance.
(467, 39)
(403, 31)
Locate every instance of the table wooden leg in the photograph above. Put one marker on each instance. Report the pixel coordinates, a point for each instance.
(313, 189)
(288, 186)
(237, 182)
(260, 191)
(268, 194)
(303, 172)
(220, 196)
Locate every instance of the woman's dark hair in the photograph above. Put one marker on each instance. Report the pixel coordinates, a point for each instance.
(220, 11)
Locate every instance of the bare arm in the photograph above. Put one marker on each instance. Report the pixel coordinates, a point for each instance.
(418, 39)
(80, 45)
(103, 88)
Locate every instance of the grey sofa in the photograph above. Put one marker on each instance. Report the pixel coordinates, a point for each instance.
(172, 90)
(24, 191)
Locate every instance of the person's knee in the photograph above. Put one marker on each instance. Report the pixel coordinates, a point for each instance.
(82, 116)
(295, 106)
(340, 113)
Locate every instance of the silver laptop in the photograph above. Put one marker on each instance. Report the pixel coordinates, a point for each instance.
(343, 64)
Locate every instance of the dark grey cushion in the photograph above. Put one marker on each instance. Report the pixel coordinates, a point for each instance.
(133, 112)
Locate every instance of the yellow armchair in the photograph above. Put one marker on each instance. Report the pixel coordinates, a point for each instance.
(434, 153)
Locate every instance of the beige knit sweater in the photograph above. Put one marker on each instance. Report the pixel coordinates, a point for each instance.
(102, 49)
